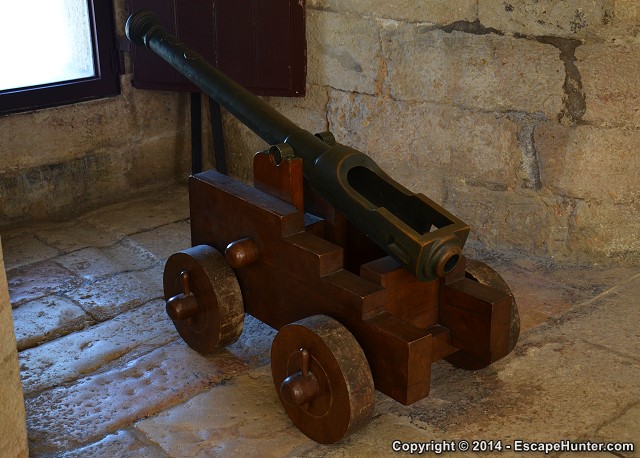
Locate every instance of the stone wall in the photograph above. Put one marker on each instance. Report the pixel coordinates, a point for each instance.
(13, 429)
(57, 161)
(521, 117)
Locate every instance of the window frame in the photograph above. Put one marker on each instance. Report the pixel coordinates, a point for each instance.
(105, 83)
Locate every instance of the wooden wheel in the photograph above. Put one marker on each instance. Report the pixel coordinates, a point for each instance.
(322, 378)
(485, 275)
(203, 298)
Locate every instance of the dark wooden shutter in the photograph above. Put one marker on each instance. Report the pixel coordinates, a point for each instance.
(259, 43)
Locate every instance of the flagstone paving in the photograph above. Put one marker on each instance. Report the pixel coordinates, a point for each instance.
(105, 373)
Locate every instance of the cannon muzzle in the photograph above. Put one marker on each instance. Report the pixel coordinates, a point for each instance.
(417, 232)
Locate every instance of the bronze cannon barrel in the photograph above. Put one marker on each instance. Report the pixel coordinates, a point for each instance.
(143, 29)
(417, 232)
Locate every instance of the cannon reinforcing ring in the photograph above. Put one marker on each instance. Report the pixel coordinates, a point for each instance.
(140, 26)
(446, 258)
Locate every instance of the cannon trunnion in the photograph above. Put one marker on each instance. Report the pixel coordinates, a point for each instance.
(365, 281)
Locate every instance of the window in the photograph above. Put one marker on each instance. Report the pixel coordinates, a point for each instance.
(54, 52)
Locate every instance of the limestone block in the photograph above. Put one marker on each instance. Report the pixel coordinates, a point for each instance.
(626, 9)
(247, 417)
(93, 263)
(123, 339)
(156, 113)
(13, 433)
(79, 183)
(51, 189)
(434, 11)
(121, 378)
(64, 133)
(610, 78)
(342, 51)
(522, 221)
(606, 231)
(72, 235)
(590, 163)
(489, 72)
(156, 160)
(577, 390)
(241, 144)
(165, 240)
(47, 318)
(84, 154)
(568, 18)
(124, 443)
(420, 143)
(386, 434)
(67, 417)
(110, 296)
(166, 206)
(25, 248)
(623, 298)
(308, 112)
(623, 428)
(41, 279)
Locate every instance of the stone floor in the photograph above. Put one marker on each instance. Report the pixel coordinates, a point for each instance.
(105, 373)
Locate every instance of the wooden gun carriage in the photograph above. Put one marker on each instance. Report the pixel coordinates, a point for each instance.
(365, 282)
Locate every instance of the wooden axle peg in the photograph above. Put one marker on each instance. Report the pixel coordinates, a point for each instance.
(302, 387)
(241, 253)
(331, 357)
(184, 305)
(203, 298)
(304, 361)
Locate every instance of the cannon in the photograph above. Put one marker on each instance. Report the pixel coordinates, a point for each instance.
(364, 280)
